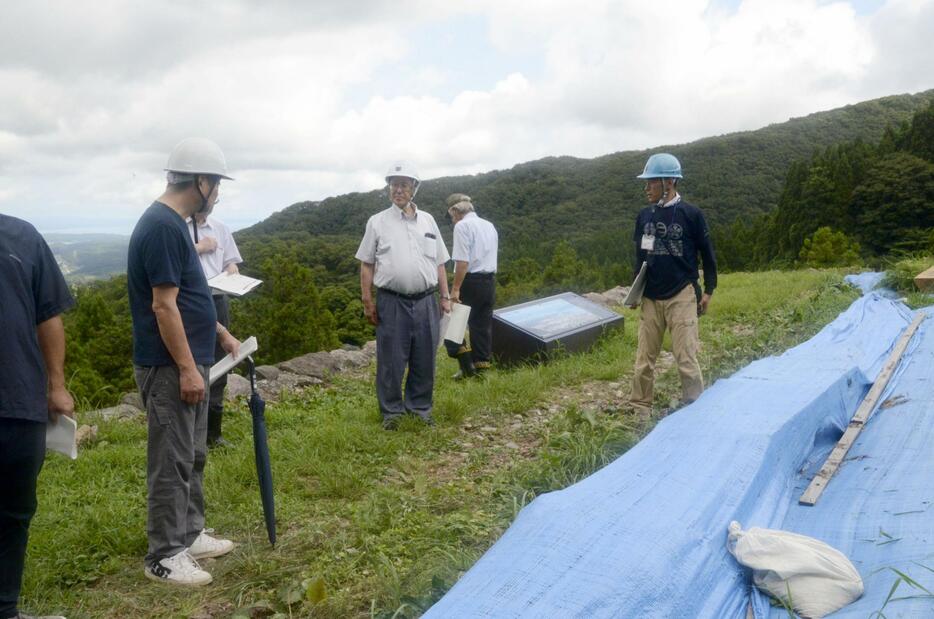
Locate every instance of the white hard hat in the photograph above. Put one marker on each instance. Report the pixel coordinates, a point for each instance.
(197, 156)
(404, 169)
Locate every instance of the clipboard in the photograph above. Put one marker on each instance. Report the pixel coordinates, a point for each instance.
(247, 348)
(234, 284)
(634, 296)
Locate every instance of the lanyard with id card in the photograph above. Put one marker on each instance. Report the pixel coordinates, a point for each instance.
(648, 242)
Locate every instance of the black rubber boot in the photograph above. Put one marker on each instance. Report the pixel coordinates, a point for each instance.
(215, 416)
(467, 368)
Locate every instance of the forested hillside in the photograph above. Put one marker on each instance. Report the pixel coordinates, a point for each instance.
(731, 176)
(850, 202)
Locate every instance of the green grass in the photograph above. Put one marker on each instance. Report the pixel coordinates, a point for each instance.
(374, 523)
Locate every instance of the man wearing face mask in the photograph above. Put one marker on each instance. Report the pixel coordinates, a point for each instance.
(403, 255)
(668, 235)
(174, 331)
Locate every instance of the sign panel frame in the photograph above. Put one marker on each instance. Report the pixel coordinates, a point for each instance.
(533, 330)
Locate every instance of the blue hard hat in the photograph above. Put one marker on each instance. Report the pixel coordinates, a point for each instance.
(662, 165)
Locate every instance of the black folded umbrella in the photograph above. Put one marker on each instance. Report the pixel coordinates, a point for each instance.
(261, 449)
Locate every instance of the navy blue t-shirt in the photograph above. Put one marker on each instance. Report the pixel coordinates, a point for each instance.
(162, 252)
(680, 233)
(32, 290)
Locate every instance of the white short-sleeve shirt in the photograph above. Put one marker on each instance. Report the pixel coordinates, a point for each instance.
(226, 252)
(406, 250)
(476, 243)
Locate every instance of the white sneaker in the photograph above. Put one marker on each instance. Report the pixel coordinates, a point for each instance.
(205, 546)
(180, 569)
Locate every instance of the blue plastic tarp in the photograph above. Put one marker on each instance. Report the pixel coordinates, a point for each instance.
(866, 281)
(646, 535)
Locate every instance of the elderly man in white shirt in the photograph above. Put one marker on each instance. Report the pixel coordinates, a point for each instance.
(218, 253)
(403, 255)
(476, 244)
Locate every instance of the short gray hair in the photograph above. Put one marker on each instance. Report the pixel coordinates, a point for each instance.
(177, 178)
(459, 203)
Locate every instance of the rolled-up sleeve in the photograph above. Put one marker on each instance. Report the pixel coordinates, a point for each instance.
(367, 250)
(50, 291)
(461, 243)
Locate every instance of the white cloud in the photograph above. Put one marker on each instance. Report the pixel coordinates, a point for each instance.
(313, 99)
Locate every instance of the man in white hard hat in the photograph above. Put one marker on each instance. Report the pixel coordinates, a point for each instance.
(403, 255)
(669, 234)
(174, 331)
(218, 254)
(33, 295)
(476, 244)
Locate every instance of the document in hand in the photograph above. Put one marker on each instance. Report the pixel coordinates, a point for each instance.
(233, 284)
(60, 436)
(457, 326)
(247, 348)
(634, 297)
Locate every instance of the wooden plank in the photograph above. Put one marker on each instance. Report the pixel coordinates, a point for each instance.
(836, 457)
(925, 280)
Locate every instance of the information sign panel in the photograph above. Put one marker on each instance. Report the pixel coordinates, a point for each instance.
(536, 328)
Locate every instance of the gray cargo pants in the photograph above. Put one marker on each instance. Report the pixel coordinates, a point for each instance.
(407, 335)
(175, 456)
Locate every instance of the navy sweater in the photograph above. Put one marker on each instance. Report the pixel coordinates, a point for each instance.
(680, 233)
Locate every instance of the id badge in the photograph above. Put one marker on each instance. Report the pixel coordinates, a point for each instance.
(648, 242)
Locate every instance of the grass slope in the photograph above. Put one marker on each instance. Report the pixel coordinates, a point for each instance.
(378, 524)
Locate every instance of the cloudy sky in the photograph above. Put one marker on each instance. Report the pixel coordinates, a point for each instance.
(312, 99)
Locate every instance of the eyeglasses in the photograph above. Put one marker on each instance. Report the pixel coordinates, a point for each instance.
(401, 185)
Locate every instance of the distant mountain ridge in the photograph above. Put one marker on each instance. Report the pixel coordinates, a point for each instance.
(589, 201)
(87, 257)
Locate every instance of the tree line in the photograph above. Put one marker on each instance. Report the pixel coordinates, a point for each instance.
(847, 204)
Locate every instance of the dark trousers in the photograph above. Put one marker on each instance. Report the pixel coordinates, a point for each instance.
(22, 451)
(479, 292)
(176, 452)
(216, 401)
(406, 336)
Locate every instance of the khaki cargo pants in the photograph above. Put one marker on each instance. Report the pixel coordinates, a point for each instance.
(679, 315)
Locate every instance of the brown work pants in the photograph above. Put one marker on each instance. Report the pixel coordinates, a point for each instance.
(679, 315)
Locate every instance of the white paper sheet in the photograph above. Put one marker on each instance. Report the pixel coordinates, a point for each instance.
(443, 328)
(60, 436)
(457, 326)
(233, 284)
(247, 348)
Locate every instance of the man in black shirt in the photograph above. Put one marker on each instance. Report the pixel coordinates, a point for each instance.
(174, 328)
(33, 295)
(668, 236)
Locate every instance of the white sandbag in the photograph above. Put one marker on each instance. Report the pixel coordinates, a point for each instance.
(819, 578)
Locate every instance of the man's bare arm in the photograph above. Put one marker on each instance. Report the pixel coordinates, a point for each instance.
(366, 291)
(172, 331)
(460, 272)
(51, 335)
(443, 288)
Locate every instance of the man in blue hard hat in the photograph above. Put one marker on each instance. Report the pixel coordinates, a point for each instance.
(669, 234)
